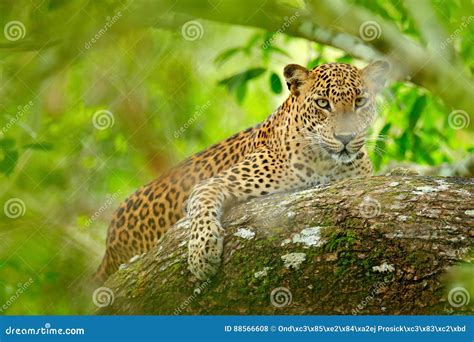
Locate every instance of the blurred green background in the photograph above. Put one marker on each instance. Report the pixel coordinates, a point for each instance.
(98, 98)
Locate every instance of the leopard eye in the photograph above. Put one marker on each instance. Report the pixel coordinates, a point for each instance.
(360, 102)
(323, 103)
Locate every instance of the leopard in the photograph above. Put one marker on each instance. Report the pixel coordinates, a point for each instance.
(316, 136)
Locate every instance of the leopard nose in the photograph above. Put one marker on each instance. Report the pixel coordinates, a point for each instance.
(344, 138)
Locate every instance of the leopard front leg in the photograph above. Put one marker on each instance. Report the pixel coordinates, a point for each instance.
(258, 175)
(207, 236)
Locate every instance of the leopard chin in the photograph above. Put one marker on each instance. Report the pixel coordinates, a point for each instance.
(344, 157)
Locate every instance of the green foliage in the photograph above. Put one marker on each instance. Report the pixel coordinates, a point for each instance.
(238, 82)
(169, 98)
(8, 155)
(275, 83)
(380, 146)
(262, 46)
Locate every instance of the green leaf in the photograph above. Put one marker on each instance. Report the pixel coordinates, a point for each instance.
(225, 55)
(254, 73)
(420, 151)
(240, 92)
(415, 112)
(427, 157)
(345, 59)
(252, 41)
(314, 63)
(8, 160)
(237, 82)
(275, 83)
(7, 144)
(380, 146)
(39, 146)
(403, 143)
(276, 49)
(241, 77)
(267, 36)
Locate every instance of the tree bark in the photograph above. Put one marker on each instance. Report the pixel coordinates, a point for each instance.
(382, 245)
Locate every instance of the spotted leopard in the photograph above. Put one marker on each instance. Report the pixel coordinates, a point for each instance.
(316, 136)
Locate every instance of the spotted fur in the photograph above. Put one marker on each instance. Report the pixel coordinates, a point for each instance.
(317, 135)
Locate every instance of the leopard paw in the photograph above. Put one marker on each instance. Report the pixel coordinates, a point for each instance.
(205, 249)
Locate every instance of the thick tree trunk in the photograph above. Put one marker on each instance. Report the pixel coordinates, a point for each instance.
(383, 245)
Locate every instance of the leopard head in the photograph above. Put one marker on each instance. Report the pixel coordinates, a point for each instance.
(336, 104)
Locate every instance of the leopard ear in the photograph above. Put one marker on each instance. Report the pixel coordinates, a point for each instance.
(375, 74)
(295, 76)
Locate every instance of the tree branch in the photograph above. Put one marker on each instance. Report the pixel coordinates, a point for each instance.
(382, 245)
(431, 31)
